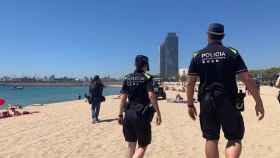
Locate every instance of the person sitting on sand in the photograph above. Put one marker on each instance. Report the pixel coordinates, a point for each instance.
(179, 98)
(12, 110)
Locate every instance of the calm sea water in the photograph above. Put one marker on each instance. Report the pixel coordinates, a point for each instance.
(44, 95)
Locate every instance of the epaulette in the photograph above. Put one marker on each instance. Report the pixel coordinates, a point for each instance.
(233, 50)
(126, 76)
(195, 53)
(148, 76)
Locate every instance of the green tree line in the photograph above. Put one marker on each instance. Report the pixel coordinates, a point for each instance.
(269, 74)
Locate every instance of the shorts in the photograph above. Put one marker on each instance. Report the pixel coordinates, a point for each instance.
(137, 129)
(221, 114)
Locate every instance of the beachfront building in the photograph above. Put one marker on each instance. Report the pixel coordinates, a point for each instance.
(169, 58)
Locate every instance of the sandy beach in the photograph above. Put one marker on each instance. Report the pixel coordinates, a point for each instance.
(64, 129)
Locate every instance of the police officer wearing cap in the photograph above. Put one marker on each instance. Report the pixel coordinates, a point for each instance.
(217, 66)
(138, 89)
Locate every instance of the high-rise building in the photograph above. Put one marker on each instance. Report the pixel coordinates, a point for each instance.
(169, 57)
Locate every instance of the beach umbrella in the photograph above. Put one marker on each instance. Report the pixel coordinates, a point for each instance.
(2, 102)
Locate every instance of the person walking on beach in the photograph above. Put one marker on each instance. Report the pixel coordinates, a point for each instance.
(277, 84)
(217, 66)
(258, 84)
(95, 91)
(138, 88)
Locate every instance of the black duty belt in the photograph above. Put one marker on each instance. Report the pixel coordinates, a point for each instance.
(138, 107)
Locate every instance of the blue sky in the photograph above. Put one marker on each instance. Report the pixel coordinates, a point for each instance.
(87, 37)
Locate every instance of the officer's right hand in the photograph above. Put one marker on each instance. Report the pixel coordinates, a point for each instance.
(259, 110)
(158, 119)
(120, 120)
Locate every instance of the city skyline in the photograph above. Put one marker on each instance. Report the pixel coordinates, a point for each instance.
(71, 38)
(51, 77)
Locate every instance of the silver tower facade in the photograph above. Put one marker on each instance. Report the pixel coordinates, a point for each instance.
(169, 58)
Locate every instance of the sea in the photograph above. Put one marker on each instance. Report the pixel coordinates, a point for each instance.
(44, 95)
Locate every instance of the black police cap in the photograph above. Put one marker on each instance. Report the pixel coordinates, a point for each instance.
(216, 29)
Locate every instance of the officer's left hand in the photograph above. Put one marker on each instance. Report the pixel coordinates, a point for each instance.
(259, 110)
(192, 112)
(158, 120)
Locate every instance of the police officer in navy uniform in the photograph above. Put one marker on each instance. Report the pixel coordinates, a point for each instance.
(138, 88)
(217, 66)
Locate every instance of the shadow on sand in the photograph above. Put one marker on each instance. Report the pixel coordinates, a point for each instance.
(108, 120)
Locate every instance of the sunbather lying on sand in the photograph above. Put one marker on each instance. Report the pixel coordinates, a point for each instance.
(12, 111)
